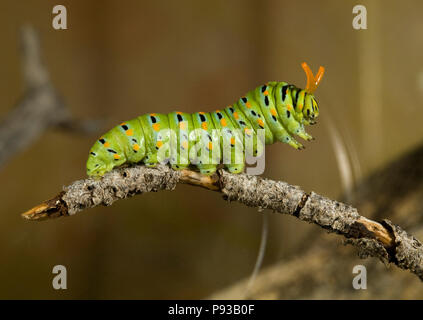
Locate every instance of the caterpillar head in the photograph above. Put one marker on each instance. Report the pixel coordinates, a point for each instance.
(311, 108)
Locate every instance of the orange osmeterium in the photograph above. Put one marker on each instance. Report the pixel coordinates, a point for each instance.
(312, 81)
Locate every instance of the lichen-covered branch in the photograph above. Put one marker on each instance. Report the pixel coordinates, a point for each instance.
(39, 109)
(383, 240)
(395, 191)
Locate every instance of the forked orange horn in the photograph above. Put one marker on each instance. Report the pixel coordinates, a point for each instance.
(312, 81)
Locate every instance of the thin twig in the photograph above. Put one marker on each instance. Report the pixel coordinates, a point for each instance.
(382, 239)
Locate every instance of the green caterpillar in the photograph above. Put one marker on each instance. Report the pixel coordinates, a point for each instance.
(277, 109)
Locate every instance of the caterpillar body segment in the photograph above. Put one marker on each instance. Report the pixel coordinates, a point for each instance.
(182, 127)
(231, 143)
(156, 131)
(245, 127)
(276, 110)
(206, 143)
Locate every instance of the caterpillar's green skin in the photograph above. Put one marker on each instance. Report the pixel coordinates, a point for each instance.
(280, 109)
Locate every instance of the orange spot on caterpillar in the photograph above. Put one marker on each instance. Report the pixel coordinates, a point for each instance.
(178, 112)
(300, 107)
(210, 145)
(152, 114)
(136, 147)
(123, 123)
(156, 126)
(204, 125)
(236, 115)
(223, 122)
(116, 156)
(182, 125)
(106, 144)
(266, 93)
(159, 144)
(201, 112)
(273, 112)
(233, 141)
(129, 132)
(185, 144)
(260, 122)
(248, 105)
(289, 107)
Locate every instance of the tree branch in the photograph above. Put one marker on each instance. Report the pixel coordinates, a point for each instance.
(39, 109)
(383, 240)
(311, 272)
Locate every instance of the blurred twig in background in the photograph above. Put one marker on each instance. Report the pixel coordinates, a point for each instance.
(384, 240)
(41, 106)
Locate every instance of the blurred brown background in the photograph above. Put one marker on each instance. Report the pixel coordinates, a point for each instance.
(120, 59)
